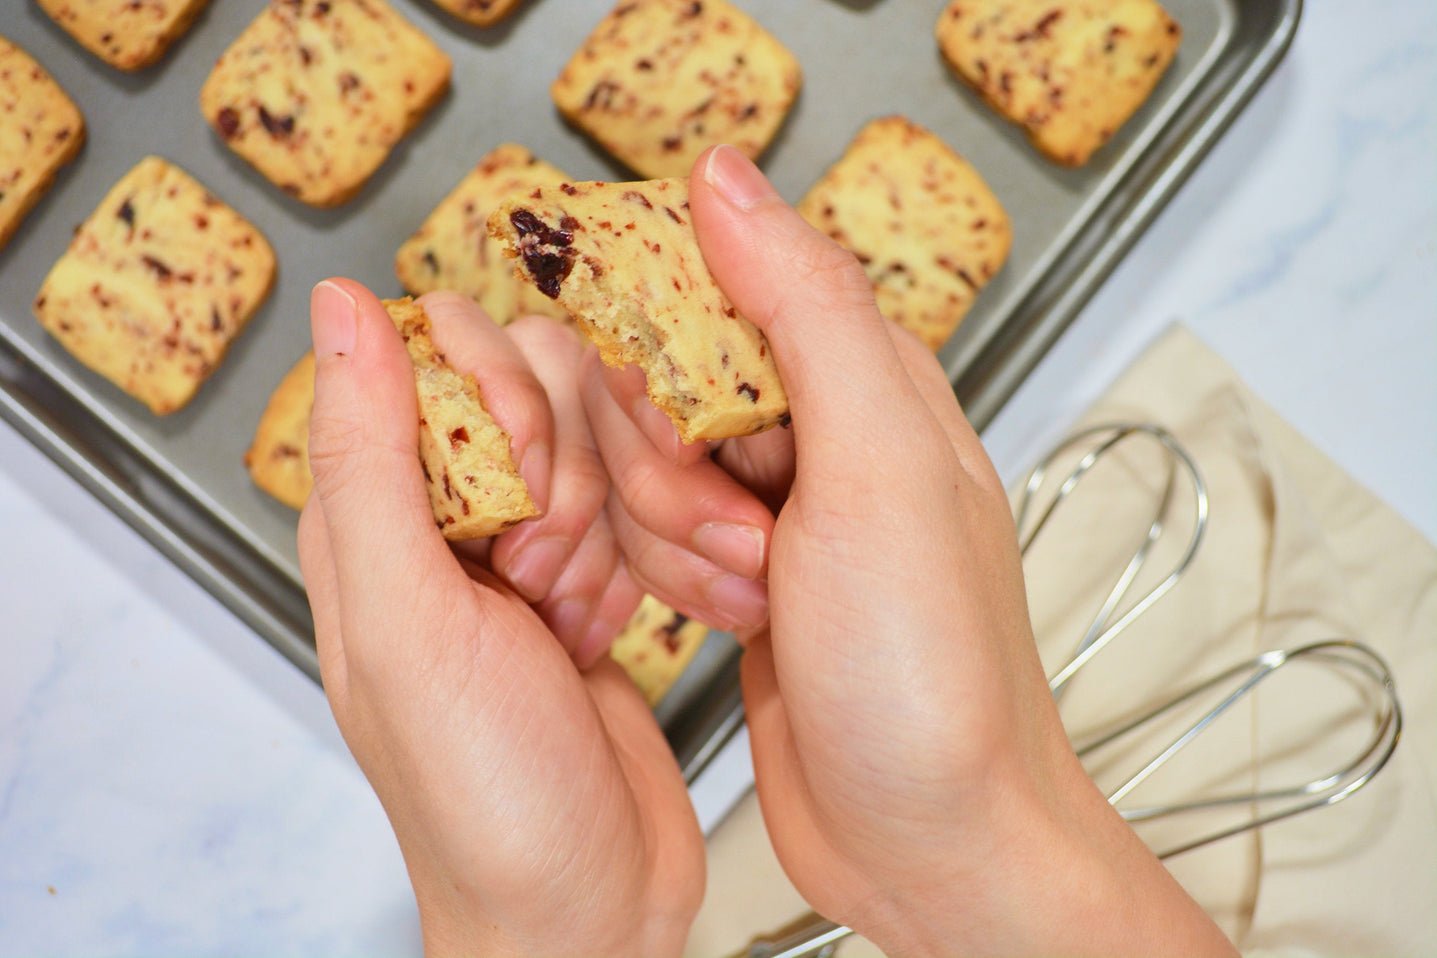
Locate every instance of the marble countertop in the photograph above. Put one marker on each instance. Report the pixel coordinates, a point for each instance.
(169, 784)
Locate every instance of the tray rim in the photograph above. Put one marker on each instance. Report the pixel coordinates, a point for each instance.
(229, 568)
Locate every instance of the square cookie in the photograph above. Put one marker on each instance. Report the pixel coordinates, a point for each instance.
(278, 458)
(481, 13)
(452, 249)
(659, 81)
(315, 93)
(156, 284)
(1069, 72)
(623, 259)
(127, 34)
(656, 646)
(41, 130)
(474, 486)
(928, 231)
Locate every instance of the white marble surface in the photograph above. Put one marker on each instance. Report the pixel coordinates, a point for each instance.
(169, 785)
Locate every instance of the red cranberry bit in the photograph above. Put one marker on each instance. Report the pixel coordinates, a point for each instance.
(548, 266)
(276, 125)
(161, 270)
(228, 122)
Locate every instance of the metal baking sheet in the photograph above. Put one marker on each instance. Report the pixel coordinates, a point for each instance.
(180, 480)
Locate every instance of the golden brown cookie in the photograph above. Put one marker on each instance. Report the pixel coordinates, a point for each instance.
(156, 284)
(278, 458)
(656, 646)
(928, 231)
(128, 34)
(474, 486)
(452, 249)
(41, 130)
(315, 93)
(659, 81)
(1070, 72)
(622, 258)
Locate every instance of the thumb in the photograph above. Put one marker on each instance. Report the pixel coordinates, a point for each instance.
(811, 299)
(363, 447)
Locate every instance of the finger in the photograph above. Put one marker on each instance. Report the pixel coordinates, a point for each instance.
(763, 464)
(532, 556)
(697, 507)
(680, 578)
(363, 451)
(321, 586)
(569, 609)
(811, 299)
(472, 343)
(611, 613)
(628, 388)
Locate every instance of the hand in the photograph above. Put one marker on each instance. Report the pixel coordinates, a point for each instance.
(538, 807)
(566, 563)
(913, 773)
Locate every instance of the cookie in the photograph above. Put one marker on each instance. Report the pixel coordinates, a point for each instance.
(41, 130)
(278, 458)
(156, 284)
(1069, 72)
(656, 646)
(928, 231)
(659, 81)
(315, 93)
(128, 34)
(453, 249)
(623, 260)
(474, 486)
(481, 13)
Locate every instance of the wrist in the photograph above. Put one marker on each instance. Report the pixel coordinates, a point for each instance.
(451, 929)
(1064, 878)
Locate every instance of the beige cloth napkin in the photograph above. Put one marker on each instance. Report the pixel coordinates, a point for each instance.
(1295, 552)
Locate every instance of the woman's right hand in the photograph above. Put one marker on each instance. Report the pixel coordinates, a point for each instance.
(912, 769)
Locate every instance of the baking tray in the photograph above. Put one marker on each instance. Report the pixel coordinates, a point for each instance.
(179, 480)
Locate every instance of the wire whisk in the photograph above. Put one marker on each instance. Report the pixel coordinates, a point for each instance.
(813, 935)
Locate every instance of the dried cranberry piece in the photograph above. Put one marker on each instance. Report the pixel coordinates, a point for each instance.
(547, 252)
(228, 122)
(276, 125)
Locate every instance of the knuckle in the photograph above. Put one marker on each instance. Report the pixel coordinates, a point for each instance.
(823, 277)
(642, 488)
(581, 496)
(821, 266)
(334, 447)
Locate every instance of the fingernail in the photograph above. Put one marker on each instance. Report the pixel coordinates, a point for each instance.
(332, 319)
(536, 568)
(536, 468)
(740, 601)
(739, 549)
(736, 179)
(568, 620)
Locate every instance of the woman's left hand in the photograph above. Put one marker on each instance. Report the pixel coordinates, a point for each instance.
(538, 806)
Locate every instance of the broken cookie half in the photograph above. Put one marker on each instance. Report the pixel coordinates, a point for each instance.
(623, 260)
(474, 485)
